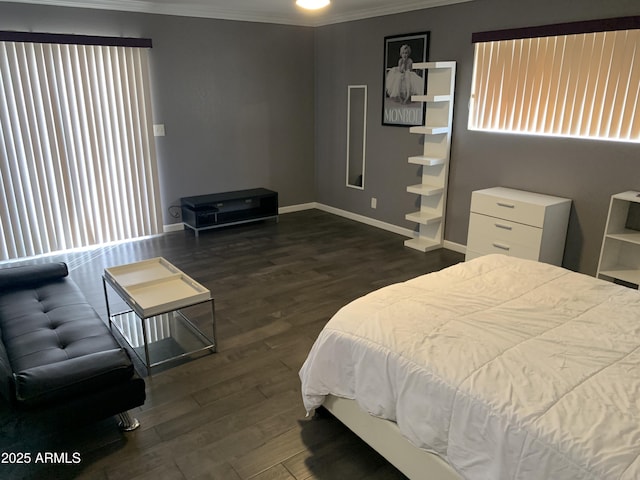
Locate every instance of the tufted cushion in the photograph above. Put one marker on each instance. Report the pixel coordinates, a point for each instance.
(50, 323)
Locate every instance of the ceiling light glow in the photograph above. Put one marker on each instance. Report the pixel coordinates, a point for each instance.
(312, 4)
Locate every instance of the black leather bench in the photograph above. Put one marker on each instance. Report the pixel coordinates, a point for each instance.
(57, 356)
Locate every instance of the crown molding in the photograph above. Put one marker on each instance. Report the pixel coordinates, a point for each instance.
(389, 9)
(295, 17)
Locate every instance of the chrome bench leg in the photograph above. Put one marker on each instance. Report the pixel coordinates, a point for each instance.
(127, 422)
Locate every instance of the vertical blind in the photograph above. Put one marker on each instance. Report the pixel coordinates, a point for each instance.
(158, 328)
(77, 158)
(578, 85)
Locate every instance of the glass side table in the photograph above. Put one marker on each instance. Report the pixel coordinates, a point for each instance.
(156, 326)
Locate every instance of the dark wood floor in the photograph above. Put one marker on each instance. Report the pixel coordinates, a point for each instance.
(237, 414)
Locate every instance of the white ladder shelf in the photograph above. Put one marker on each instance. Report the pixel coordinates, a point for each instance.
(434, 162)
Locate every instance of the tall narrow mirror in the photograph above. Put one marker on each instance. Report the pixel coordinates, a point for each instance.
(356, 135)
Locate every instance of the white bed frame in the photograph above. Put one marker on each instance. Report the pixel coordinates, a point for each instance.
(384, 437)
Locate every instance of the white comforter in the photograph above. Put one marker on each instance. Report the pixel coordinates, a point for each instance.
(507, 368)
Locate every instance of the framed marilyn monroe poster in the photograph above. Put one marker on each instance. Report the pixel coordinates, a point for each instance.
(401, 82)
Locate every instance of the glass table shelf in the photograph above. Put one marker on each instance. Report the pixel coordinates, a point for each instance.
(169, 336)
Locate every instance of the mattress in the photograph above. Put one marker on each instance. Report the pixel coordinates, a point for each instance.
(506, 368)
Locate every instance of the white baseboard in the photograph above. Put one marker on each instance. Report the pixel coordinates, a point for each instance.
(173, 227)
(362, 219)
(456, 247)
(297, 208)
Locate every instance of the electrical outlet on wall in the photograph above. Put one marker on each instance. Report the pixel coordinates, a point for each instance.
(374, 202)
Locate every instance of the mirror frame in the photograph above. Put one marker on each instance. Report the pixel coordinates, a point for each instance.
(364, 132)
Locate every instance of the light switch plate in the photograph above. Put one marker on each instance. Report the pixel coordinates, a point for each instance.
(158, 130)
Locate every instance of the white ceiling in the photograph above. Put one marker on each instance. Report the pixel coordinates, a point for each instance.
(269, 11)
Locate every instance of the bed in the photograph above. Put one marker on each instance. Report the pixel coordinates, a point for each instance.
(497, 368)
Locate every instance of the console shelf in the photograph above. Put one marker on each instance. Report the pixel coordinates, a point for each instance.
(204, 212)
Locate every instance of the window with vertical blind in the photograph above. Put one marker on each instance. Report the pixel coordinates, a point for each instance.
(572, 80)
(77, 158)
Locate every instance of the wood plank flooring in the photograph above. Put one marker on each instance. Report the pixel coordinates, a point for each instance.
(236, 414)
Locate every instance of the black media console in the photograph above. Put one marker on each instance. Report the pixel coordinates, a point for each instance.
(203, 212)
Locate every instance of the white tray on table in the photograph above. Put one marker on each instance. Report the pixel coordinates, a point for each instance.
(154, 286)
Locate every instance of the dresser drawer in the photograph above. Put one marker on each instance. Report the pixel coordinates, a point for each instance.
(501, 204)
(495, 235)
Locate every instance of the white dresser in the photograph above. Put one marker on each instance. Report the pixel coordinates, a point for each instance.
(518, 223)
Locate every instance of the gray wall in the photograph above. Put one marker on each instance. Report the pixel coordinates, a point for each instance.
(236, 98)
(587, 171)
(251, 104)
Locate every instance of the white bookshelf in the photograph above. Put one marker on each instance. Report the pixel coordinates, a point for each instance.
(620, 251)
(434, 161)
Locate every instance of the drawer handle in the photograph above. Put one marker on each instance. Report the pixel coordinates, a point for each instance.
(501, 246)
(503, 226)
(506, 205)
